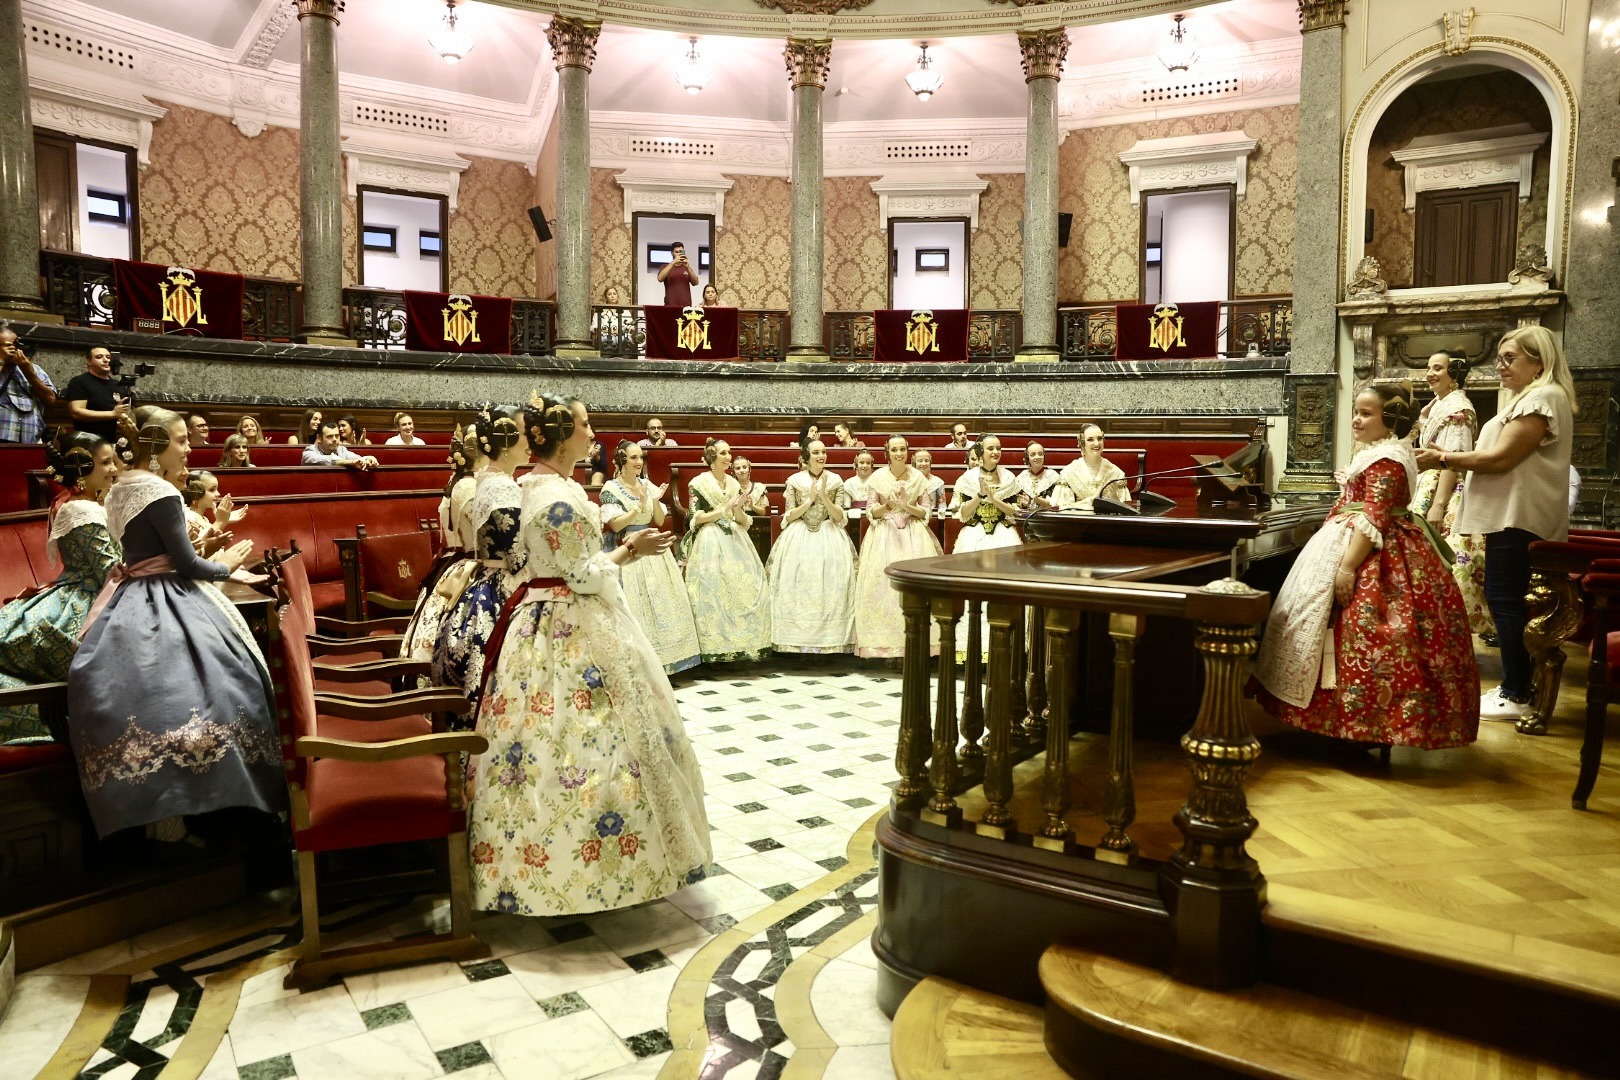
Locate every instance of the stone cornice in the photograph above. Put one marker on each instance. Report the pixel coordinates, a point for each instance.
(1464, 159)
(94, 110)
(943, 194)
(670, 192)
(396, 164)
(1181, 161)
(1260, 75)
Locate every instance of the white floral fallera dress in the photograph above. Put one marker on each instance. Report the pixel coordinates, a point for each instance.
(725, 580)
(812, 573)
(589, 797)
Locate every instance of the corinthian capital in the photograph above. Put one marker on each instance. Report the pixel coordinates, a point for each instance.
(1042, 53)
(573, 41)
(807, 61)
(324, 9)
(1321, 14)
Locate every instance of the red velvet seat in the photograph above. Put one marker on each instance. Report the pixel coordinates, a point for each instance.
(384, 571)
(1602, 584)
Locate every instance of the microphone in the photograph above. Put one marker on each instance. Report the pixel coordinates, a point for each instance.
(1149, 500)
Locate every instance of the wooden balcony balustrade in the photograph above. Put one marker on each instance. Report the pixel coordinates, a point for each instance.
(993, 335)
(1089, 331)
(620, 331)
(80, 289)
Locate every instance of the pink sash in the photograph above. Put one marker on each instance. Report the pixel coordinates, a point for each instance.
(157, 564)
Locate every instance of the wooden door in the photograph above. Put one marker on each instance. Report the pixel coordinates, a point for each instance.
(56, 176)
(1465, 237)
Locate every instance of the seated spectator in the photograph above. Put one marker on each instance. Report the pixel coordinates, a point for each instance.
(405, 431)
(309, 429)
(923, 462)
(756, 497)
(595, 463)
(236, 454)
(350, 431)
(975, 454)
(844, 436)
(328, 449)
(208, 516)
(93, 398)
(197, 428)
(711, 295)
(959, 437)
(655, 435)
(856, 486)
(808, 432)
(25, 392)
(248, 427)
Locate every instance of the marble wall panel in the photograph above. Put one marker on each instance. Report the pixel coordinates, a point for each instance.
(545, 195)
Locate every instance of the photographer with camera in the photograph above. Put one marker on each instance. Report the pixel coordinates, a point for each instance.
(25, 392)
(93, 398)
(678, 278)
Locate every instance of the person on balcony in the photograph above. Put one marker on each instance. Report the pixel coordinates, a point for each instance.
(1086, 477)
(1368, 639)
(653, 589)
(328, 449)
(812, 565)
(25, 392)
(678, 278)
(725, 579)
(711, 295)
(404, 431)
(590, 796)
(93, 398)
(39, 635)
(898, 506)
(1517, 492)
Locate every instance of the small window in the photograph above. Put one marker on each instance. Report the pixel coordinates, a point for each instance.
(660, 255)
(428, 245)
(1153, 254)
(933, 260)
(106, 207)
(380, 238)
(703, 259)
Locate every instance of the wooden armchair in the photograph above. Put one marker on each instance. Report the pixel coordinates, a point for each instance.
(384, 572)
(1556, 611)
(1602, 585)
(362, 773)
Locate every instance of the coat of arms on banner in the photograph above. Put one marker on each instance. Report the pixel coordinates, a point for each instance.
(460, 320)
(692, 330)
(182, 299)
(922, 333)
(1164, 328)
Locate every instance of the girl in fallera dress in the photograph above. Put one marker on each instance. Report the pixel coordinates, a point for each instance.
(456, 562)
(725, 579)
(984, 502)
(1368, 640)
(756, 496)
(458, 655)
(209, 515)
(898, 530)
(39, 635)
(653, 589)
(812, 566)
(1086, 477)
(589, 796)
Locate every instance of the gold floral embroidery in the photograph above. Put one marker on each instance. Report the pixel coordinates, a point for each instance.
(197, 745)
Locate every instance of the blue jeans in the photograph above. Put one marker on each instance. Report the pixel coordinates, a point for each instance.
(1507, 579)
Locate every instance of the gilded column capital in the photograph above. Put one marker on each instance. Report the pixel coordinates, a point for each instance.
(573, 41)
(1042, 53)
(808, 60)
(1321, 14)
(324, 9)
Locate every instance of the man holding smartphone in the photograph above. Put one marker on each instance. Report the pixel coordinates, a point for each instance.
(678, 278)
(25, 392)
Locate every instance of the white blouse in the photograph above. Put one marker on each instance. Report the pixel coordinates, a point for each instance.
(1533, 495)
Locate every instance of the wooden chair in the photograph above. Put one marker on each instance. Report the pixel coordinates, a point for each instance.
(362, 773)
(384, 572)
(1602, 585)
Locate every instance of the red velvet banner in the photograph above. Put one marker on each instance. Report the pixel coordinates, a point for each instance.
(691, 333)
(1178, 332)
(177, 300)
(457, 322)
(904, 336)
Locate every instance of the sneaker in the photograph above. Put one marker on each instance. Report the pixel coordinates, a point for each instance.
(1494, 705)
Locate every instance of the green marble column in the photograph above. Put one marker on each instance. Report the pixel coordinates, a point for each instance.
(1043, 52)
(19, 201)
(321, 173)
(807, 63)
(573, 47)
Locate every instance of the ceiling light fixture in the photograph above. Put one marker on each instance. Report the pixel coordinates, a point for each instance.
(451, 43)
(1181, 51)
(693, 73)
(925, 81)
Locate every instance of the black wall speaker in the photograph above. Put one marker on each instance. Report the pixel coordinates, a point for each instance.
(1064, 221)
(537, 217)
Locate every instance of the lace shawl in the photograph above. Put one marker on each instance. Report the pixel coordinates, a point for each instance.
(130, 494)
(69, 516)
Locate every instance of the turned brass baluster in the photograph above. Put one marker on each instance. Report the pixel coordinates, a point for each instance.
(1119, 796)
(973, 687)
(997, 821)
(911, 755)
(1035, 685)
(1060, 627)
(942, 770)
(1018, 703)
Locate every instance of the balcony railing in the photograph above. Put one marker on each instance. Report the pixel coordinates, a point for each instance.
(993, 336)
(80, 289)
(621, 331)
(376, 319)
(1090, 331)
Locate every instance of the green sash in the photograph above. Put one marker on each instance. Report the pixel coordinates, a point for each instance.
(1436, 541)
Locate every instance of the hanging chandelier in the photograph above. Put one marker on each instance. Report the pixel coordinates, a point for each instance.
(925, 81)
(692, 74)
(1181, 51)
(450, 42)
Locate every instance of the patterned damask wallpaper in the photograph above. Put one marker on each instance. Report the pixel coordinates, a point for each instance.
(1101, 261)
(857, 268)
(545, 195)
(610, 237)
(997, 251)
(1431, 109)
(215, 198)
(751, 263)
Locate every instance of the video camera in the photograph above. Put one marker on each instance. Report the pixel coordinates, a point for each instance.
(127, 379)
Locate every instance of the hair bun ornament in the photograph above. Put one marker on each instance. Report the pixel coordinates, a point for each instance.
(123, 450)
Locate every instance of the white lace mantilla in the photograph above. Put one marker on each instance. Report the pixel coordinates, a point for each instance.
(69, 516)
(130, 494)
(496, 490)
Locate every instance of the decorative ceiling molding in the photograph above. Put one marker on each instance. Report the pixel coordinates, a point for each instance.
(269, 26)
(1217, 157)
(90, 109)
(668, 193)
(660, 142)
(894, 147)
(942, 195)
(813, 7)
(1262, 75)
(1465, 159)
(391, 165)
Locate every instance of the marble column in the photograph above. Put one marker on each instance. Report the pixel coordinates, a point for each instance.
(19, 200)
(1042, 52)
(1594, 258)
(807, 63)
(321, 173)
(1318, 192)
(573, 47)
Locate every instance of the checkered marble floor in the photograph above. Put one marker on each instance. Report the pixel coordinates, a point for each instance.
(730, 978)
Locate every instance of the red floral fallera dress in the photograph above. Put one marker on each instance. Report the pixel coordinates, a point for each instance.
(1403, 659)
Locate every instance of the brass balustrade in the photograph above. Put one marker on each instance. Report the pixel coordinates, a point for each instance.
(1089, 331)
